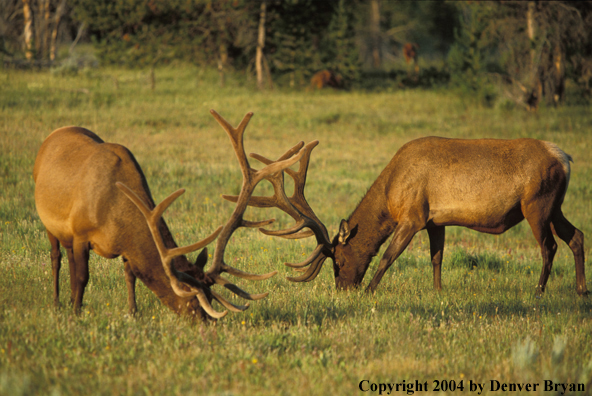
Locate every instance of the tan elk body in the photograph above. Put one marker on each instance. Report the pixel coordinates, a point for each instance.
(92, 195)
(488, 185)
(75, 174)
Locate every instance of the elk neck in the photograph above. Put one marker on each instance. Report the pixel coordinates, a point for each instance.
(371, 222)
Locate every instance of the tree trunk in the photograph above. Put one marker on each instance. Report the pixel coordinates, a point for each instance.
(534, 96)
(54, 33)
(28, 32)
(375, 32)
(260, 46)
(45, 29)
(530, 30)
(558, 75)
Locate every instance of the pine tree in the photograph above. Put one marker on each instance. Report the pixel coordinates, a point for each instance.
(339, 50)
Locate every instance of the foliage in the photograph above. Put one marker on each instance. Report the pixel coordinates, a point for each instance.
(295, 31)
(485, 47)
(11, 22)
(486, 324)
(141, 33)
(306, 38)
(470, 56)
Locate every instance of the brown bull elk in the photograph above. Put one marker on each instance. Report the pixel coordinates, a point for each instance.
(487, 185)
(76, 175)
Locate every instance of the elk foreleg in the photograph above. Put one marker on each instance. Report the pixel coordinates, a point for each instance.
(72, 265)
(81, 252)
(575, 240)
(56, 264)
(401, 238)
(436, 235)
(130, 281)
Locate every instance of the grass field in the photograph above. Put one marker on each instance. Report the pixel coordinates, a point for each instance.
(486, 325)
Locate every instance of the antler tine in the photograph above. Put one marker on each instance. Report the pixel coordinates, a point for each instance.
(176, 278)
(311, 272)
(236, 138)
(251, 178)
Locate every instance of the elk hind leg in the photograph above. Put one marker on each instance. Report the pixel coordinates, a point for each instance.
(80, 277)
(56, 264)
(130, 281)
(574, 238)
(544, 236)
(72, 266)
(401, 238)
(437, 236)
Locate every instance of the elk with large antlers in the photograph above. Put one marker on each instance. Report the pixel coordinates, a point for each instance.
(487, 185)
(76, 175)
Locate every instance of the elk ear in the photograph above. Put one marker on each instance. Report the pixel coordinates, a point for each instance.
(202, 258)
(344, 232)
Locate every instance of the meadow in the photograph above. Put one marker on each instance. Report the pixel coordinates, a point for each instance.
(303, 339)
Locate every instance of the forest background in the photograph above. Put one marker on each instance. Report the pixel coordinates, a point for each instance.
(517, 52)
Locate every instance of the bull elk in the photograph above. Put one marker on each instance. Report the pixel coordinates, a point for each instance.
(87, 194)
(487, 185)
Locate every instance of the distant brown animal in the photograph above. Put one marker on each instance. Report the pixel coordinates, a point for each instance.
(410, 52)
(88, 193)
(325, 78)
(487, 185)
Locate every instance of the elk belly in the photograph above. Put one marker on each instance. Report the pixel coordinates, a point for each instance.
(491, 220)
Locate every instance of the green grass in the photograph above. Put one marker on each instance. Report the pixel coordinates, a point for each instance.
(304, 338)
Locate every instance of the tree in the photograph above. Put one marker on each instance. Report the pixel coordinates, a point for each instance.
(28, 29)
(260, 62)
(59, 13)
(526, 48)
(375, 32)
(148, 32)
